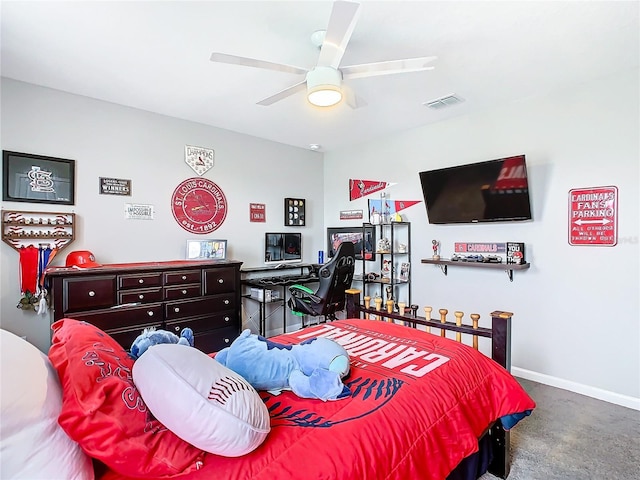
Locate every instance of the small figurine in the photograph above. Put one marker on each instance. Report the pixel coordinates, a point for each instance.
(389, 292)
(384, 245)
(436, 245)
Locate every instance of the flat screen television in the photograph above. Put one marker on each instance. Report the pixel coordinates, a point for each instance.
(490, 191)
(282, 248)
(363, 240)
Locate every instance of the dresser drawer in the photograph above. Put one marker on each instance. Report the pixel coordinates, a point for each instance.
(183, 291)
(200, 306)
(179, 278)
(140, 280)
(88, 293)
(215, 340)
(219, 280)
(146, 295)
(136, 317)
(202, 324)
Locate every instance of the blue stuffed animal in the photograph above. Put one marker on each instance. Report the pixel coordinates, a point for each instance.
(150, 336)
(311, 369)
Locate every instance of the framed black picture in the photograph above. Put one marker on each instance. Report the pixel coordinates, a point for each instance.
(294, 215)
(37, 179)
(363, 239)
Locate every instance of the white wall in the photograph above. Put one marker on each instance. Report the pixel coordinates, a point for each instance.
(576, 322)
(109, 140)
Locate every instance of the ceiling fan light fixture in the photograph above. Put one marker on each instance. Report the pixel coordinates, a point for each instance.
(323, 86)
(324, 96)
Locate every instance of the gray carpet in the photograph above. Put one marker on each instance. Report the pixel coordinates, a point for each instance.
(574, 437)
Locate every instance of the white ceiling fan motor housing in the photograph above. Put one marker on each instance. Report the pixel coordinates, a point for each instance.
(323, 86)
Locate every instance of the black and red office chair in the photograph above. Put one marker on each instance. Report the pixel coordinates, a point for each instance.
(334, 277)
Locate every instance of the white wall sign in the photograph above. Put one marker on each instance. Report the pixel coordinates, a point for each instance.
(134, 211)
(199, 158)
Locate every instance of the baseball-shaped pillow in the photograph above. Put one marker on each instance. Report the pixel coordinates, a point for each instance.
(201, 401)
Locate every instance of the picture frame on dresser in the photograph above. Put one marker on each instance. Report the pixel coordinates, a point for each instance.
(32, 178)
(206, 249)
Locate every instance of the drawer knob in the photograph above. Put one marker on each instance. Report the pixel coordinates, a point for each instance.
(220, 280)
(226, 340)
(226, 319)
(150, 313)
(177, 328)
(184, 277)
(92, 293)
(184, 292)
(176, 309)
(141, 296)
(141, 281)
(226, 302)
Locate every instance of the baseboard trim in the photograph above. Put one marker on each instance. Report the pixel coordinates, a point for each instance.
(593, 392)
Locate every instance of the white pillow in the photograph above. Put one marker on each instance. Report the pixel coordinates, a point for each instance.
(201, 401)
(33, 445)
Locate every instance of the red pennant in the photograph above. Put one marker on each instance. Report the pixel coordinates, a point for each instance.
(402, 204)
(362, 188)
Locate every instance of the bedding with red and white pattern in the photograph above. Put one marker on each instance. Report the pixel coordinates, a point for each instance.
(418, 405)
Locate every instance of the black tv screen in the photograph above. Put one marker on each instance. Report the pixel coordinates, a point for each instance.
(490, 191)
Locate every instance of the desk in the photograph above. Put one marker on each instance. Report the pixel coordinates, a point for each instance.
(278, 280)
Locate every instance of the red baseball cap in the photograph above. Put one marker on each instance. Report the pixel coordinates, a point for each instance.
(82, 258)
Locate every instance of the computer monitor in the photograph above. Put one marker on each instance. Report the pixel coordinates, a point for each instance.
(282, 248)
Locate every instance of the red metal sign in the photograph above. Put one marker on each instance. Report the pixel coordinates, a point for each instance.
(480, 247)
(257, 212)
(593, 216)
(198, 205)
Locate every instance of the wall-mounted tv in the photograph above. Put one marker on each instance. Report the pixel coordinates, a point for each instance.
(282, 248)
(490, 191)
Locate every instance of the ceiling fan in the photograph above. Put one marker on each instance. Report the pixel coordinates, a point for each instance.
(324, 81)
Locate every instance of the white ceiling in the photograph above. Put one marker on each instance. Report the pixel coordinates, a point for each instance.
(154, 55)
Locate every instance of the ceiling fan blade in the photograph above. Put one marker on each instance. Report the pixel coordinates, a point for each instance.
(341, 24)
(287, 92)
(387, 68)
(353, 100)
(252, 62)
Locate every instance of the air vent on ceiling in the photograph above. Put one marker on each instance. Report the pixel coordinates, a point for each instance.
(443, 102)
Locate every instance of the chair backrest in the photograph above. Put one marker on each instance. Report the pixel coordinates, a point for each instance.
(335, 277)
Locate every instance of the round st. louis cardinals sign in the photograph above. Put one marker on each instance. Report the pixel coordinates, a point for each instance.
(198, 205)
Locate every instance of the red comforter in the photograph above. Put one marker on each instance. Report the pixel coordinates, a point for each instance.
(418, 405)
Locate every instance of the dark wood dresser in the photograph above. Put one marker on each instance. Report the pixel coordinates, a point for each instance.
(123, 299)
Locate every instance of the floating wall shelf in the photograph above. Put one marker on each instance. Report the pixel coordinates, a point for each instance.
(508, 267)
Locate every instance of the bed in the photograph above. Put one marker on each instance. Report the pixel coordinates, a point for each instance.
(421, 406)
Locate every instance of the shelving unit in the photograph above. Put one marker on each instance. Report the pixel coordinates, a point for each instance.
(385, 276)
(22, 228)
(443, 263)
